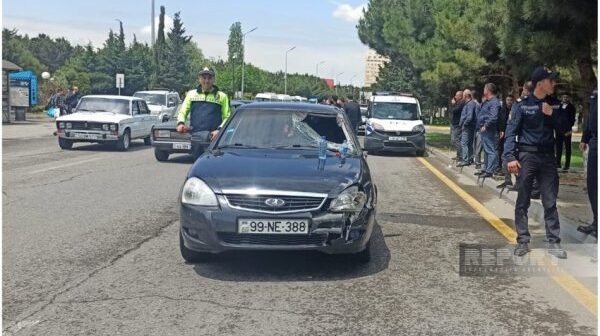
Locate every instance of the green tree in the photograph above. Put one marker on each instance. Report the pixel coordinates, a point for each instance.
(177, 69)
(14, 49)
(235, 51)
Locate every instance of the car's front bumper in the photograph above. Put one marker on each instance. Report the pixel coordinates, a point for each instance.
(87, 136)
(381, 142)
(175, 146)
(214, 230)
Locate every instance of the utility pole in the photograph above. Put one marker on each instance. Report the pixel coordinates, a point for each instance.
(244, 55)
(318, 69)
(285, 75)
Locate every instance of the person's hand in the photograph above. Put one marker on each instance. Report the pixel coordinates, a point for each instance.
(214, 134)
(482, 129)
(583, 146)
(181, 128)
(501, 135)
(514, 167)
(547, 109)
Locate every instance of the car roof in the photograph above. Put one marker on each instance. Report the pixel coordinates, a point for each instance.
(395, 99)
(306, 107)
(113, 97)
(155, 91)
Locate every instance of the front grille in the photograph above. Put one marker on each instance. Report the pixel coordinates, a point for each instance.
(400, 133)
(83, 125)
(272, 239)
(180, 136)
(292, 203)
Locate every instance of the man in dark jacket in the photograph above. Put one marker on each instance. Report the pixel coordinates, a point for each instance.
(487, 125)
(589, 140)
(72, 99)
(567, 116)
(353, 111)
(502, 120)
(467, 122)
(456, 129)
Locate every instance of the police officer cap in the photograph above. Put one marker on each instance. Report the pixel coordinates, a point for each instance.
(541, 73)
(206, 71)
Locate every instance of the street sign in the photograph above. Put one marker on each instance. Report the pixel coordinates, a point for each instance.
(120, 81)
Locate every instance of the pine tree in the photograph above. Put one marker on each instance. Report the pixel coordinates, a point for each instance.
(176, 65)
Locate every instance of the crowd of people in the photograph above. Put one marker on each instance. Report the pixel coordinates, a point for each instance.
(349, 105)
(64, 100)
(525, 137)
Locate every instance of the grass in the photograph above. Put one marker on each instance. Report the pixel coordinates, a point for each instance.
(442, 141)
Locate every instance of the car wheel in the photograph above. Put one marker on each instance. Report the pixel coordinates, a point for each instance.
(192, 256)
(124, 142)
(363, 256)
(161, 155)
(65, 143)
(148, 140)
(420, 153)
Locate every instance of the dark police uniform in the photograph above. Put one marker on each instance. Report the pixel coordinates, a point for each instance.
(590, 137)
(535, 153)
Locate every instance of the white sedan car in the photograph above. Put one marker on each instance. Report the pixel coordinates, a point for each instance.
(106, 119)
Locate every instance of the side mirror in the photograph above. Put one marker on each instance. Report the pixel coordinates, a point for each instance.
(166, 118)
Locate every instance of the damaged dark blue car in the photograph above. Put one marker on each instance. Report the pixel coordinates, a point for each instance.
(280, 176)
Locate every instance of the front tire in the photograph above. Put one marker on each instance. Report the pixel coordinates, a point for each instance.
(190, 256)
(161, 155)
(420, 153)
(65, 143)
(124, 141)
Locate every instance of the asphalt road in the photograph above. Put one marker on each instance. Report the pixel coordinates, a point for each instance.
(90, 246)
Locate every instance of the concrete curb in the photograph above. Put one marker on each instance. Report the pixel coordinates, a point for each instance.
(568, 225)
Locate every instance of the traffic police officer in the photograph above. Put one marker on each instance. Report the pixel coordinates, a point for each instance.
(206, 106)
(590, 140)
(534, 121)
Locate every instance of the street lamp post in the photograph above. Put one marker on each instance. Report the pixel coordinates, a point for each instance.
(318, 69)
(336, 80)
(285, 75)
(244, 55)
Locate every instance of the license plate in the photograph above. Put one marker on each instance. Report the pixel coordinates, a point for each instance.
(270, 226)
(397, 138)
(182, 146)
(86, 136)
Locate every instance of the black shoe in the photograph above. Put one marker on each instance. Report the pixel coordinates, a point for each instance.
(478, 166)
(587, 229)
(535, 195)
(512, 187)
(521, 249)
(565, 170)
(504, 185)
(463, 164)
(479, 172)
(556, 250)
(486, 175)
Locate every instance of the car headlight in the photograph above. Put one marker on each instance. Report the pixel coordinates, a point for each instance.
(377, 127)
(419, 128)
(69, 125)
(196, 192)
(350, 199)
(162, 133)
(113, 127)
(61, 125)
(105, 127)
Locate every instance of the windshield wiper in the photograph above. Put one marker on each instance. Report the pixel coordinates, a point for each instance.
(238, 145)
(295, 146)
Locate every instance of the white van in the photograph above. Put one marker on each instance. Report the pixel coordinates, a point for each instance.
(394, 124)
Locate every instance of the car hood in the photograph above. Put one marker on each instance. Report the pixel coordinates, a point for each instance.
(94, 117)
(170, 125)
(284, 170)
(155, 109)
(396, 124)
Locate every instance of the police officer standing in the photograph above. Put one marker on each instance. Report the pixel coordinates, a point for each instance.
(206, 106)
(534, 122)
(590, 140)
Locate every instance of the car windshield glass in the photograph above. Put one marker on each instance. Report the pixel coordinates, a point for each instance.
(286, 129)
(93, 104)
(401, 111)
(151, 98)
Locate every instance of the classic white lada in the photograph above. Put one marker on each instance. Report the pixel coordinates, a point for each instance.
(107, 119)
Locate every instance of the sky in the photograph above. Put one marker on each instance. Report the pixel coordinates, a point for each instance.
(321, 30)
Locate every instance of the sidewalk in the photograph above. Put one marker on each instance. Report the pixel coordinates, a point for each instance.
(574, 208)
(37, 125)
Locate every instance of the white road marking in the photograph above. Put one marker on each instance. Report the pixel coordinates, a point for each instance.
(63, 166)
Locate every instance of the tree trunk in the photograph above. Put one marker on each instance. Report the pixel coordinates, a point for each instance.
(588, 80)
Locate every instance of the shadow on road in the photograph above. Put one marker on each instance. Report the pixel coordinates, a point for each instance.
(82, 146)
(295, 266)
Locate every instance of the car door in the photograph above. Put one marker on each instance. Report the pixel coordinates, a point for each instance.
(137, 126)
(149, 119)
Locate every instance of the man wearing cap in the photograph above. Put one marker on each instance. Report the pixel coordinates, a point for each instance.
(206, 106)
(534, 122)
